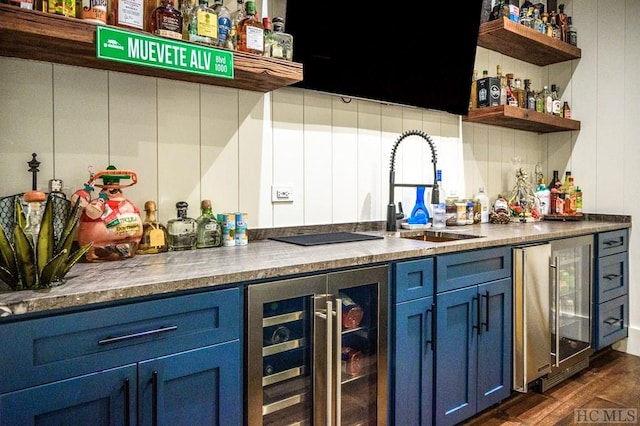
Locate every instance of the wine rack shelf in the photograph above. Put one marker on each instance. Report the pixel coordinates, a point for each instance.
(520, 119)
(47, 37)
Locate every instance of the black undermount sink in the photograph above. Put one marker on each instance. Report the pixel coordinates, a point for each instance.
(437, 236)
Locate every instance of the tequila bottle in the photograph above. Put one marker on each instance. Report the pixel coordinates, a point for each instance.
(154, 234)
(209, 230)
(236, 18)
(224, 24)
(280, 42)
(203, 24)
(251, 31)
(182, 230)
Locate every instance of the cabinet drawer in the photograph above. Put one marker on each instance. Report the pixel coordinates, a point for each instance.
(612, 277)
(612, 321)
(473, 267)
(413, 279)
(42, 350)
(613, 242)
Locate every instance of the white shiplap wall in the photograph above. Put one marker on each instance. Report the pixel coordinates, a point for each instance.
(189, 141)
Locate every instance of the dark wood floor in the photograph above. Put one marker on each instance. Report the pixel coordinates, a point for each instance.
(612, 380)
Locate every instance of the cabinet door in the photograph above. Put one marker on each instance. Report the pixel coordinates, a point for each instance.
(104, 398)
(494, 343)
(201, 386)
(456, 355)
(413, 352)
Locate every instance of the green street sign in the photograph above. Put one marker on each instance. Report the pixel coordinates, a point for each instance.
(141, 49)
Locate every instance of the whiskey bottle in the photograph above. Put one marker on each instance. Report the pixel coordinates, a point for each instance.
(154, 234)
(562, 20)
(554, 29)
(251, 31)
(224, 24)
(530, 95)
(566, 111)
(282, 45)
(127, 14)
(208, 228)
(572, 33)
(203, 24)
(556, 105)
(166, 21)
(182, 230)
(236, 18)
(521, 94)
(503, 85)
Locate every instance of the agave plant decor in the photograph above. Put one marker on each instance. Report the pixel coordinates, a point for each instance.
(35, 262)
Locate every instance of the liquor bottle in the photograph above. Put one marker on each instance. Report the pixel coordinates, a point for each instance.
(224, 24)
(543, 198)
(544, 23)
(538, 24)
(251, 31)
(55, 188)
(562, 20)
(182, 230)
(473, 98)
(555, 181)
(127, 14)
(556, 105)
(503, 85)
(548, 100)
(155, 238)
(540, 101)
(483, 93)
(530, 95)
(526, 14)
(203, 24)
(578, 200)
(266, 23)
(209, 230)
(521, 94)
(281, 42)
(572, 33)
(166, 21)
(187, 8)
(482, 197)
(570, 197)
(554, 30)
(236, 18)
(566, 110)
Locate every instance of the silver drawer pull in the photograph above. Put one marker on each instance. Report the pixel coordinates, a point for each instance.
(613, 321)
(611, 276)
(110, 340)
(612, 243)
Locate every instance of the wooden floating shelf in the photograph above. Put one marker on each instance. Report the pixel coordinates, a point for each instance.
(47, 37)
(520, 119)
(517, 41)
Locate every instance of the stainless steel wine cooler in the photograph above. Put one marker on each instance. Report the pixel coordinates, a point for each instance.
(317, 350)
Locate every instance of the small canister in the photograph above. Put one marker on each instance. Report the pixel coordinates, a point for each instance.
(228, 225)
(452, 212)
(470, 210)
(477, 211)
(241, 229)
(461, 213)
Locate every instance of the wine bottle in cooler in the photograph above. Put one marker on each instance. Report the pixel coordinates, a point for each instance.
(352, 313)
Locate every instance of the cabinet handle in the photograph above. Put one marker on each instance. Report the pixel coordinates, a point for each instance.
(154, 398)
(486, 311)
(430, 340)
(613, 321)
(110, 340)
(612, 243)
(611, 276)
(329, 343)
(127, 407)
(338, 359)
(478, 315)
(556, 297)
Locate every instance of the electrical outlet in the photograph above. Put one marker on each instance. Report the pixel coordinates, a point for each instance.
(281, 194)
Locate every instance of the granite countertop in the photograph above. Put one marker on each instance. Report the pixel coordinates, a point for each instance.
(146, 275)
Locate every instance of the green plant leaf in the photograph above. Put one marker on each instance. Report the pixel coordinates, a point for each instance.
(19, 215)
(52, 270)
(74, 257)
(70, 227)
(11, 280)
(44, 245)
(25, 258)
(7, 256)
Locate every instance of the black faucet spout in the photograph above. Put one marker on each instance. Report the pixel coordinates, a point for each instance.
(392, 215)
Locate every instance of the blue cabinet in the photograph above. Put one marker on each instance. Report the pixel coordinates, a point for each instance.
(473, 333)
(412, 382)
(152, 362)
(611, 288)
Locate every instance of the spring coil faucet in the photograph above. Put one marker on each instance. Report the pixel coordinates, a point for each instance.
(392, 216)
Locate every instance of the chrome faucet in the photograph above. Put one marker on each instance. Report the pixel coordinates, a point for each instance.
(392, 215)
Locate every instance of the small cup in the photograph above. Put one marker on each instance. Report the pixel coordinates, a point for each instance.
(439, 215)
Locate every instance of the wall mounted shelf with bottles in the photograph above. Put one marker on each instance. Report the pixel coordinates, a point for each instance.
(47, 37)
(517, 41)
(523, 43)
(521, 119)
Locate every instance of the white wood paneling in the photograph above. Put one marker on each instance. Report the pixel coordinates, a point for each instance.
(27, 124)
(344, 160)
(370, 194)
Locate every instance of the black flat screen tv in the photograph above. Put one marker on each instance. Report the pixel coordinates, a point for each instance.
(420, 54)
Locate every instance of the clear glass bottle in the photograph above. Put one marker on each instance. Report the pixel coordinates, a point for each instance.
(473, 96)
(224, 24)
(572, 32)
(155, 238)
(266, 23)
(547, 100)
(503, 85)
(251, 31)
(35, 202)
(182, 230)
(209, 230)
(236, 18)
(166, 21)
(556, 105)
(203, 24)
(281, 42)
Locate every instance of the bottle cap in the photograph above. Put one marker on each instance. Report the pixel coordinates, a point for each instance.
(150, 206)
(266, 22)
(205, 204)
